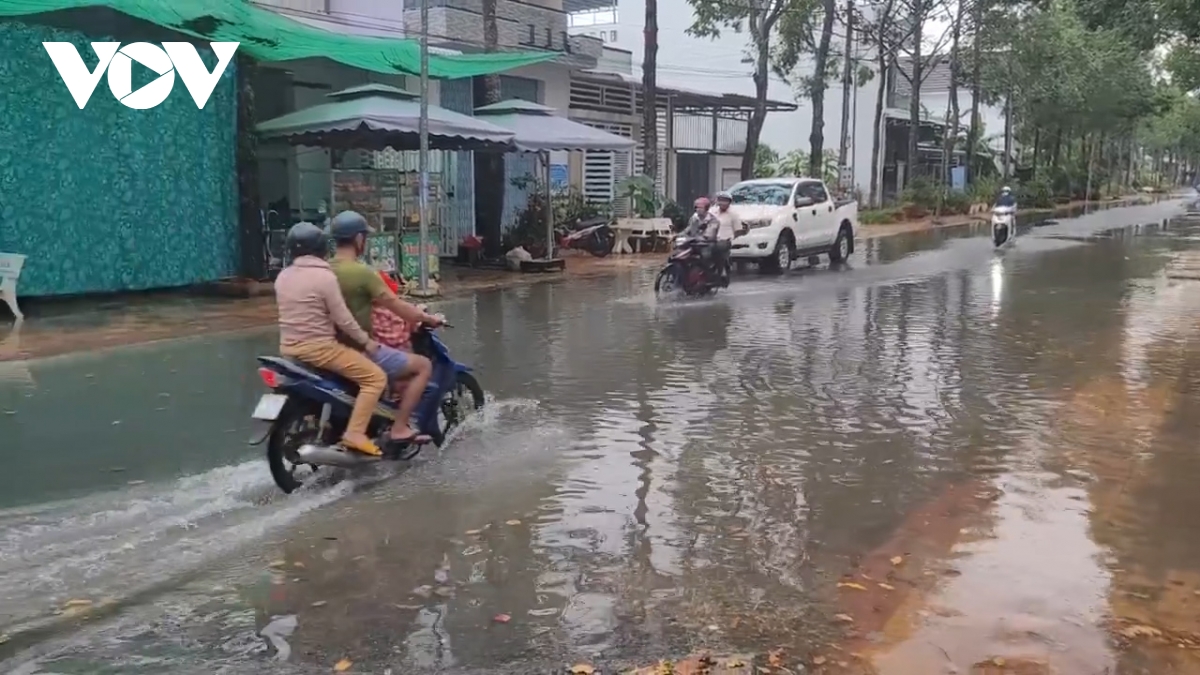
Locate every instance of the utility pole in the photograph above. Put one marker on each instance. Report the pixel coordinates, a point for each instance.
(847, 74)
(423, 154)
(1008, 135)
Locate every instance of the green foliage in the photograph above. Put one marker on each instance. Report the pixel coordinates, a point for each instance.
(880, 216)
(643, 196)
(766, 161)
(677, 213)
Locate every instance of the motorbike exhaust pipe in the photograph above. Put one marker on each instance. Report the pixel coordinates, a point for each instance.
(324, 455)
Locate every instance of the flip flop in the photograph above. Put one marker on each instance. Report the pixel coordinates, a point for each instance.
(406, 448)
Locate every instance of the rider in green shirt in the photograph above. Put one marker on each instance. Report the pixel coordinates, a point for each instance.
(362, 288)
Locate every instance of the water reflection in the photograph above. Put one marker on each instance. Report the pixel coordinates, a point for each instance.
(701, 473)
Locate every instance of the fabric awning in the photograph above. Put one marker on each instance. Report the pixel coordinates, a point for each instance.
(268, 36)
(377, 116)
(538, 129)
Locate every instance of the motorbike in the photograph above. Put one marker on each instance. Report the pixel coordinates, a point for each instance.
(308, 408)
(687, 270)
(594, 235)
(1003, 224)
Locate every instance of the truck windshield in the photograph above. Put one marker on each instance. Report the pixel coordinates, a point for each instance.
(770, 194)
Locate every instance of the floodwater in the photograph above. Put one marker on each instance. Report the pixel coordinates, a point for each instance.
(938, 458)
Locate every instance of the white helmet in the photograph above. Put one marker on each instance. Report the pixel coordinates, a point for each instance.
(1006, 189)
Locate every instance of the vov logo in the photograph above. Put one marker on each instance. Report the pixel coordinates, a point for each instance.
(171, 58)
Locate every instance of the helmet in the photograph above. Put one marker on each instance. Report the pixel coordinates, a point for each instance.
(306, 239)
(1006, 189)
(347, 225)
(701, 202)
(724, 196)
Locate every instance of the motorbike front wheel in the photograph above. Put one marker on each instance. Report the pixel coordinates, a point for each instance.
(999, 235)
(464, 398)
(667, 281)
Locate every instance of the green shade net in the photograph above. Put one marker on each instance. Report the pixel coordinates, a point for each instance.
(268, 36)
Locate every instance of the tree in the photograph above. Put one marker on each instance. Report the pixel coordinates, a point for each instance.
(916, 14)
(650, 93)
(881, 32)
(489, 166)
(760, 19)
(766, 161)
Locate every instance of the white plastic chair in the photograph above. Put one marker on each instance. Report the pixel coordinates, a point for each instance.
(10, 272)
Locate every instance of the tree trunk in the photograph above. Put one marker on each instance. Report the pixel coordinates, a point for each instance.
(251, 253)
(816, 137)
(976, 56)
(914, 103)
(1056, 152)
(1037, 148)
(762, 72)
(489, 166)
(650, 93)
(875, 198)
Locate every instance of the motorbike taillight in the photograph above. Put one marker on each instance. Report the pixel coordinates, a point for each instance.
(269, 378)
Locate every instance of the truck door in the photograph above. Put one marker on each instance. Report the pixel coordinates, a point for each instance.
(814, 211)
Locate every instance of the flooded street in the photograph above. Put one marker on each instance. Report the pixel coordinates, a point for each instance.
(938, 458)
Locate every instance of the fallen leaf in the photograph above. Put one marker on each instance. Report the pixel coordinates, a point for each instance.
(277, 563)
(898, 560)
(887, 587)
(319, 603)
(775, 658)
(512, 522)
(77, 603)
(736, 663)
(998, 662)
(843, 618)
(582, 669)
(818, 660)
(343, 665)
(298, 564)
(472, 533)
(851, 584)
(502, 618)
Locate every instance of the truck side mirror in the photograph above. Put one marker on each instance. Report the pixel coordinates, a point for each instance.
(802, 202)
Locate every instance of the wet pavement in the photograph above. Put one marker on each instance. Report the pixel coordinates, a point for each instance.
(938, 458)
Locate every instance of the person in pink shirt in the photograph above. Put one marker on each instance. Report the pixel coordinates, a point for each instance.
(312, 311)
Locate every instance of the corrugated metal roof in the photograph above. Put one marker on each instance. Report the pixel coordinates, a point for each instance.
(937, 77)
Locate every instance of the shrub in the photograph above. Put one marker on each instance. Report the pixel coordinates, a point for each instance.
(880, 216)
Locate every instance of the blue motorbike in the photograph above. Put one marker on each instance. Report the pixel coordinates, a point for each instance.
(308, 409)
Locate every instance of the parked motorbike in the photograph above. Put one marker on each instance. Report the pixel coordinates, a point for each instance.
(687, 269)
(1004, 220)
(308, 410)
(594, 235)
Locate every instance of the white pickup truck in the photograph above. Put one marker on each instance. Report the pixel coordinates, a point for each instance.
(785, 219)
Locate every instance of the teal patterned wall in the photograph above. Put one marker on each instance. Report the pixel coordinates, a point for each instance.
(109, 198)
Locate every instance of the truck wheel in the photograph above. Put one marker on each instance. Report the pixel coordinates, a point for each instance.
(781, 259)
(842, 246)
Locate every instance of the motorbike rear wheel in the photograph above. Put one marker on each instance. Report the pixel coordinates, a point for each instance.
(297, 425)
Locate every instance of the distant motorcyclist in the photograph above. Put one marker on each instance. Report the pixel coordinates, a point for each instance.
(1006, 198)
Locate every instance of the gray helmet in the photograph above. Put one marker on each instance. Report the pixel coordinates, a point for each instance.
(306, 239)
(347, 225)
(724, 196)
